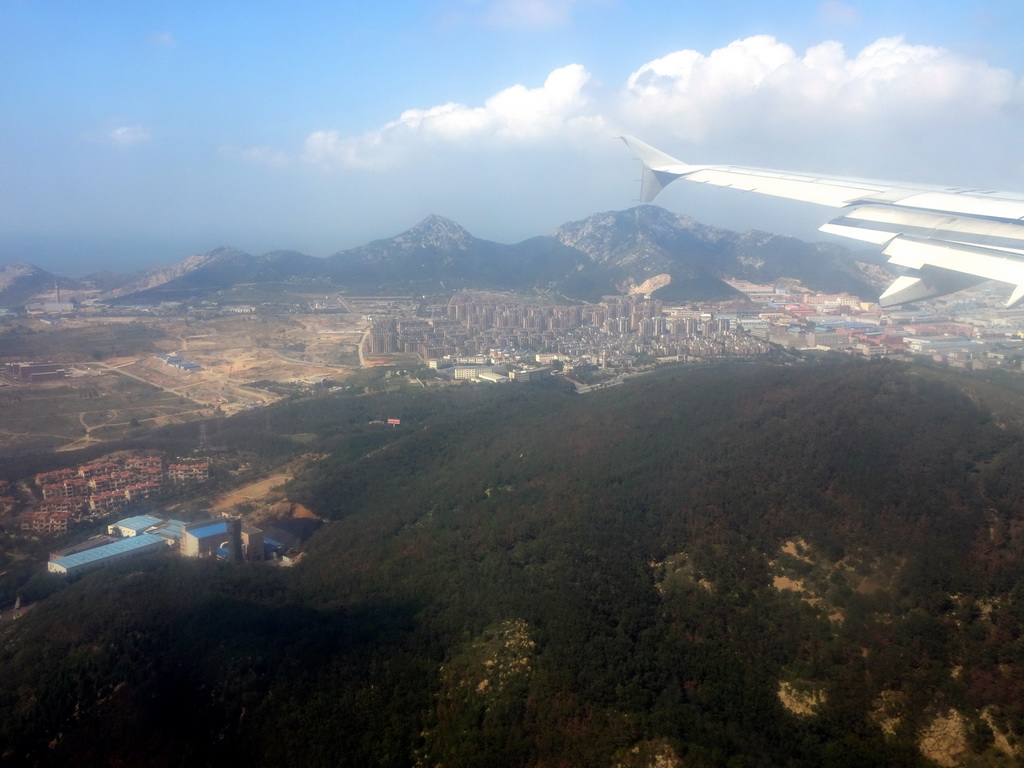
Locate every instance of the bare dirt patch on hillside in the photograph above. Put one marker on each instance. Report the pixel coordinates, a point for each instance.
(261, 490)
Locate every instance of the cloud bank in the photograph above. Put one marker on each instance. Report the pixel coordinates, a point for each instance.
(756, 92)
(557, 110)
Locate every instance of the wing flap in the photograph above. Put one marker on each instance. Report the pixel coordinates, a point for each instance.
(985, 263)
(879, 224)
(927, 284)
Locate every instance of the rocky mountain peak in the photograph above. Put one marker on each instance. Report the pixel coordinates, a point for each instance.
(639, 232)
(436, 232)
(639, 218)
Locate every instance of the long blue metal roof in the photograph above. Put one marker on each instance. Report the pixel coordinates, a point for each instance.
(101, 553)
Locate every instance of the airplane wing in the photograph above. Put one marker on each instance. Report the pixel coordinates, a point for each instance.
(946, 238)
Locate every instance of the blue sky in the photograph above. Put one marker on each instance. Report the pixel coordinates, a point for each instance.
(138, 133)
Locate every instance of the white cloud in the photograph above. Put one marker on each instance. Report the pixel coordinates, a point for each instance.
(557, 109)
(126, 135)
(693, 91)
(891, 97)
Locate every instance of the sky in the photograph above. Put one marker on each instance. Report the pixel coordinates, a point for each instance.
(135, 134)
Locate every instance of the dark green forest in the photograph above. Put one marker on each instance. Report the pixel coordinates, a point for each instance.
(812, 565)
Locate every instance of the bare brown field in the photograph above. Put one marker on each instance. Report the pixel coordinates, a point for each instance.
(371, 361)
(257, 491)
(133, 388)
(95, 406)
(275, 347)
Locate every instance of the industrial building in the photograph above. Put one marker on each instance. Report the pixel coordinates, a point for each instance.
(82, 546)
(222, 537)
(36, 371)
(90, 559)
(180, 362)
(169, 530)
(133, 526)
(530, 374)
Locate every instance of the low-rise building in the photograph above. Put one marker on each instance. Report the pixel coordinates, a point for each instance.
(107, 503)
(89, 471)
(211, 538)
(67, 488)
(82, 546)
(530, 374)
(469, 371)
(198, 472)
(133, 526)
(138, 491)
(74, 505)
(493, 377)
(98, 557)
(45, 522)
(169, 530)
(56, 476)
(144, 463)
(37, 371)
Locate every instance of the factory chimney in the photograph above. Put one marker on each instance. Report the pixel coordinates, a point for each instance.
(235, 537)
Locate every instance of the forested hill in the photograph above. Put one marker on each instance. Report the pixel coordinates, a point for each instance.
(798, 566)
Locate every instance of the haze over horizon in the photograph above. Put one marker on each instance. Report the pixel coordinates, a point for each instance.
(137, 136)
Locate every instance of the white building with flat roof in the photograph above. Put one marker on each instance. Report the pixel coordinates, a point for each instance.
(133, 526)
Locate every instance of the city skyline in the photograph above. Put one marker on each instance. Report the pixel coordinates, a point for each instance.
(135, 137)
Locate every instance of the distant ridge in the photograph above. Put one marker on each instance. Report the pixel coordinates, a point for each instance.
(606, 253)
(19, 283)
(646, 241)
(438, 254)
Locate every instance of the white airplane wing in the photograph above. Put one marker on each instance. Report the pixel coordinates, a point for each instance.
(946, 238)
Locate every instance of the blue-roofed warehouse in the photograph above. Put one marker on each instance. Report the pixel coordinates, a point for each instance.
(203, 539)
(98, 557)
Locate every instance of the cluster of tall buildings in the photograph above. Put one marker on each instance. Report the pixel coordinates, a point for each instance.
(477, 322)
(614, 333)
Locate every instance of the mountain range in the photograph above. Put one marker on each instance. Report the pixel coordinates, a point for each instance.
(606, 253)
